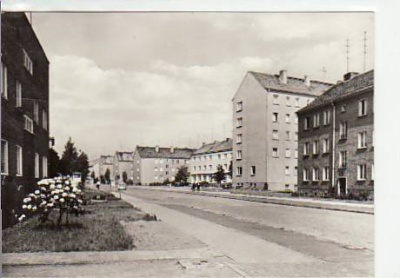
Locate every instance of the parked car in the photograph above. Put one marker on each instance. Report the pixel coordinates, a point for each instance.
(122, 186)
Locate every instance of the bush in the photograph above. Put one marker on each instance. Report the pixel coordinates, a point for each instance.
(53, 194)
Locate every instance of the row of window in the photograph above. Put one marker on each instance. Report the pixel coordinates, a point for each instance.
(275, 119)
(275, 153)
(316, 173)
(239, 171)
(211, 157)
(275, 135)
(316, 147)
(210, 167)
(19, 162)
(173, 161)
(288, 102)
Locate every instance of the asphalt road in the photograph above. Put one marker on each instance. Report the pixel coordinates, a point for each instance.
(340, 243)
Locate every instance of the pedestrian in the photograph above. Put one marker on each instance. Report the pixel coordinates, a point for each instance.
(193, 186)
(98, 185)
(198, 187)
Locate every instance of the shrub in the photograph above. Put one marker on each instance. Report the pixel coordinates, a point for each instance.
(53, 194)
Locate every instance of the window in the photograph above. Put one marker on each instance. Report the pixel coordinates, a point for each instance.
(325, 173)
(275, 117)
(4, 157)
(306, 174)
(372, 172)
(239, 122)
(28, 62)
(288, 135)
(274, 152)
(306, 148)
(287, 171)
(343, 159)
(297, 102)
(253, 170)
(37, 161)
(28, 124)
(239, 106)
(315, 147)
(287, 118)
(238, 171)
(18, 94)
(315, 174)
(296, 136)
(295, 171)
(19, 161)
(316, 120)
(275, 134)
(275, 99)
(210, 167)
(296, 153)
(361, 172)
(4, 86)
(326, 117)
(239, 155)
(239, 138)
(287, 153)
(307, 121)
(362, 107)
(36, 112)
(44, 119)
(362, 140)
(343, 130)
(325, 145)
(288, 101)
(343, 108)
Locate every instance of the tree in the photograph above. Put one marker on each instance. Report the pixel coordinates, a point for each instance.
(220, 175)
(107, 176)
(68, 158)
(230, 170)
(54, 163)
(182, 175)
(93, 175)
(124, 177)
(82, 165)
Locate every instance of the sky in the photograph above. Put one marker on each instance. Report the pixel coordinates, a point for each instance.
(118, 80)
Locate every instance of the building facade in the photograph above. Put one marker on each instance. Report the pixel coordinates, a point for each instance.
(154, 165)
(265, 129)
(123, 162)
(336, 135)
(106, 162)
(206, 159)
(24, 112)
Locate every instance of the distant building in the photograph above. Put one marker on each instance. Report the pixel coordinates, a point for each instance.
(265, 128)
(336, 139)
(106, 162)
(156, 164)
(123, 162)
(94, 167)
(24, 112)
(206, 159)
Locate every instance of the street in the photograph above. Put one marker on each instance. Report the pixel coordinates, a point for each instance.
(270, 240)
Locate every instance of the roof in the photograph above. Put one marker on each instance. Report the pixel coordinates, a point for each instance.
(215, 147)
(344, 89)
(176, 153)
(293, 84)
(124, 156)
(107, 159)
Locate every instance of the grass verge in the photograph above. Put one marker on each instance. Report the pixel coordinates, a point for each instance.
(98, 229)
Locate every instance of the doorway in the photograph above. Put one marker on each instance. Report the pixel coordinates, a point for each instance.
(342, 186)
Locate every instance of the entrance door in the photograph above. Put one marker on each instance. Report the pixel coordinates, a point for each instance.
(342, 190)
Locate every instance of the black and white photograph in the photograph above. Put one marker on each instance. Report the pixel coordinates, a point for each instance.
(183, 142)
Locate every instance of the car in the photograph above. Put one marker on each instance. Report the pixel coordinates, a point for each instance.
(122, 186)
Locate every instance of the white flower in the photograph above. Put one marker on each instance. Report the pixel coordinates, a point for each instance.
(34, 208)
(21, 217)
(56, 197)
(59, 186)
(67, 182)
(29, 206)
(79, 201)
(52, 186)
(67, 188)
(24, 206)
(62, 200)
(37, 192)
(32, 195)
(72, 195)
(64, 194)
(50, 205)
(42, 196)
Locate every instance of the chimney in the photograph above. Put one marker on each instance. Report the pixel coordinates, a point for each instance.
(349, 75)
(283, 76)
(307, 81)
(157, 149)
(172, 149)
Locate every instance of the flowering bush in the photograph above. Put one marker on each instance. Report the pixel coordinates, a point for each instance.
(57, 194)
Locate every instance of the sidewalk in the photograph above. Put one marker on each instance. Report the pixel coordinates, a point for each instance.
(329, 204)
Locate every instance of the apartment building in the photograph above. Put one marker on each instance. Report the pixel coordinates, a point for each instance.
(206, 159)
(24, 113)
(106, 162)
(123, 162)
(156, 164)
(265, 131)
(336, 139)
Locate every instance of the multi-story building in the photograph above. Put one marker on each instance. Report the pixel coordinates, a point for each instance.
(156, 165)
(123, 162)
(206, 159)
(336, 134)
(106, 162)
(24, 112)
(265, 128)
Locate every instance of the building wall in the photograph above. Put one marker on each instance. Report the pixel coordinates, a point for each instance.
(136, 168)
(203, 166)
(157, 170)
(18, 36)
(123, 166)
(253, 145)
